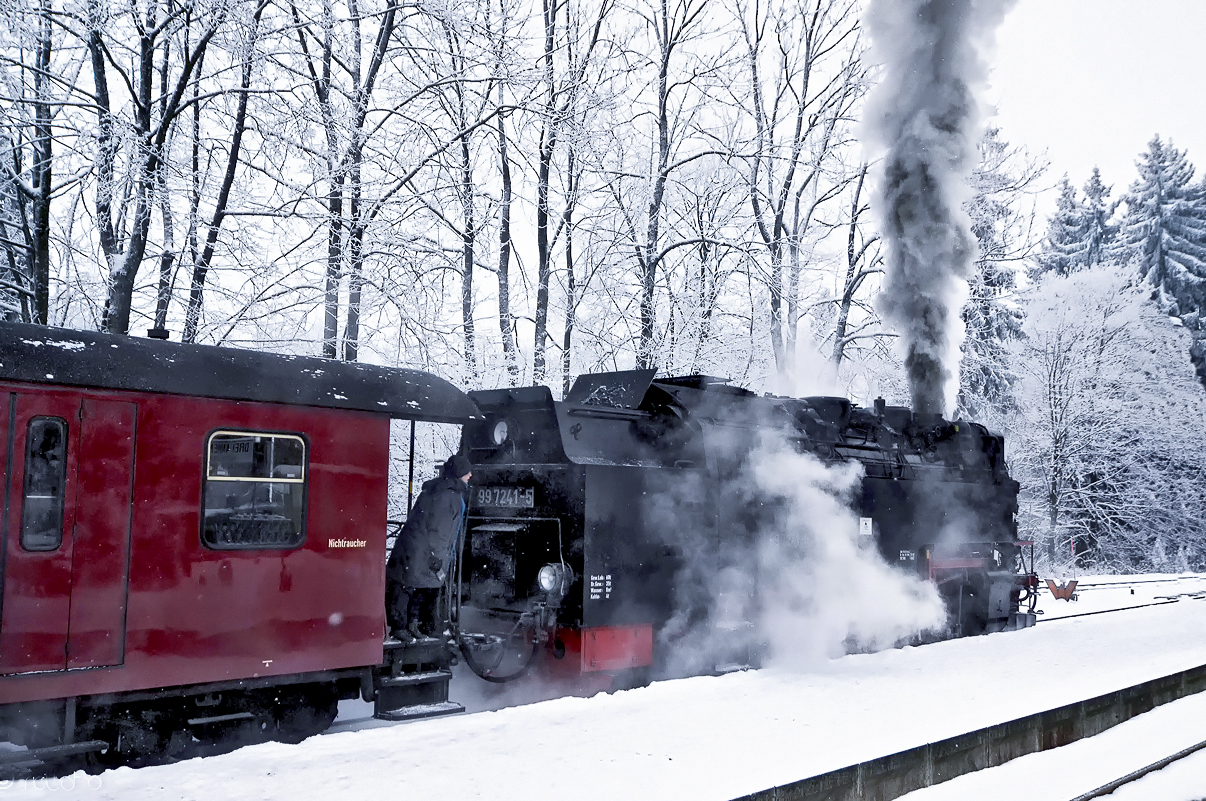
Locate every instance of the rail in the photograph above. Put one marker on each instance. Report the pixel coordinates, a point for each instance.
(1105, 611)
(1160, 764)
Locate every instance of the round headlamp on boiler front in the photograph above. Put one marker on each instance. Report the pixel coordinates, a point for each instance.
(500, 432)
(554, 578)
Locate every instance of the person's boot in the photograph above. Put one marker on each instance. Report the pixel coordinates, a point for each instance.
(414, 631)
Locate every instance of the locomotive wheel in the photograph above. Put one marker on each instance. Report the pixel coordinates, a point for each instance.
(304, 714)
(499, 659)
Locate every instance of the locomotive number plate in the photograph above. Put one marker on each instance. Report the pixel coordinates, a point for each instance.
(509, 497)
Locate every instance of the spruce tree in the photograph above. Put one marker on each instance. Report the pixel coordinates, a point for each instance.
(1001, 219)
(1064, 244)
(1079, 234)
(1099, 235)
(1164, 231)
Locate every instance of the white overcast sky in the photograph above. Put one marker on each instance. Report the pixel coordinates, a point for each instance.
(1091, 81)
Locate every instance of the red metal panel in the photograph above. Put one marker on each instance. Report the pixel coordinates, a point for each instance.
(195, 614)
(956, 563)
(217, 614)
(96, 635)
(616, 647)
(37, 584)
(8, 401)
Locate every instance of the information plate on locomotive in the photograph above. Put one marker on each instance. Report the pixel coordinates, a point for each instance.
(509, 497)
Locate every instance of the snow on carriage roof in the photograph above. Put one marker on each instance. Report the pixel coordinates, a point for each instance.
(41, 355)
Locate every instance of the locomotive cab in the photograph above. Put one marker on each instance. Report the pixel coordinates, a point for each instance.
(565, 535)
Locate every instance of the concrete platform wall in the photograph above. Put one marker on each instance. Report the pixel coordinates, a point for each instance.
(894, 775)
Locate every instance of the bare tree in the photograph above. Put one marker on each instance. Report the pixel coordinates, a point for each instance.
(123, 220)
(41, 148)
(343, 87)
(34, 88)
(506, 322)
(799, 104)
(673, 99)
(1107, 432)
(580, 269)
(576, 44)
(862, 261)
(202, 261)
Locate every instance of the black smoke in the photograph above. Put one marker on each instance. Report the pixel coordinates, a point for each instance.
(925, 117)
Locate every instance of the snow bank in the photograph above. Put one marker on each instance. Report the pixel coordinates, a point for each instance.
(700, 738)
(1083, 766)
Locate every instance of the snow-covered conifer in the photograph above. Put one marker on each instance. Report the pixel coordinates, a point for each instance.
(1096, 210)
(1002, 221)
(1079, 234)
(1164, 230)
(1063, 247)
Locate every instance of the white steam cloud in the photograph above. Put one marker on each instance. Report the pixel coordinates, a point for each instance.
(823, 589)
(924, 114)
(796, 569)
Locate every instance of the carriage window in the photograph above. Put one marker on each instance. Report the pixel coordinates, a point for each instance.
(45, 480)
(255, 491)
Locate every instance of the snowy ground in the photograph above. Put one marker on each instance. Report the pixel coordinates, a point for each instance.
(1100, 593)
(722, 737)
(1081, 767)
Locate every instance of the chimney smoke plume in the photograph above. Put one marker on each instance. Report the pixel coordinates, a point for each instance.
(925, 119)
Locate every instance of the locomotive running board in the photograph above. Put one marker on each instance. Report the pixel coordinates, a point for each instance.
(420, 711)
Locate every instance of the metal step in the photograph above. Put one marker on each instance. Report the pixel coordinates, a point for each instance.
(426, 650)
(409, 679)
(419, 711)
(36, 756)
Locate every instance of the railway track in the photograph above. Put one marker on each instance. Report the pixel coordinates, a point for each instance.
(1108, 611)
(1198, 593)
(1160, 764)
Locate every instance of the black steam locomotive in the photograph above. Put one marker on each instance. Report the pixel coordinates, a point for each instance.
(598, 524)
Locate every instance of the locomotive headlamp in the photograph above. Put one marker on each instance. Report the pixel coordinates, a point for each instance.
(499, 435)
(554, 579)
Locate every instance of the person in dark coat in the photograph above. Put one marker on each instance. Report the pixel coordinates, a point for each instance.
(423, 552)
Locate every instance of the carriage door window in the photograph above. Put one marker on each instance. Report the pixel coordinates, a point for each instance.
(45, 481)
(255, 487)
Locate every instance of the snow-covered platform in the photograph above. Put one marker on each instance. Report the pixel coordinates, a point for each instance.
(1082, 767)
(701, 738)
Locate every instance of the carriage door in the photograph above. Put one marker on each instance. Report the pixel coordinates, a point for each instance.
(69, 468)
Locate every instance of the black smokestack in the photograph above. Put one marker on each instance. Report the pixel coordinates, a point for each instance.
(925, 115)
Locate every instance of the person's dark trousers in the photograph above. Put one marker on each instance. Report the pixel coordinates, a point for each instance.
(397, 603)
(421, 609)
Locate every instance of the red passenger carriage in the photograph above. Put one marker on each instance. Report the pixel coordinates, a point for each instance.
(193, 537)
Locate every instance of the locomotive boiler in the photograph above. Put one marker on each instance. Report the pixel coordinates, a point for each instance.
(589, 517)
